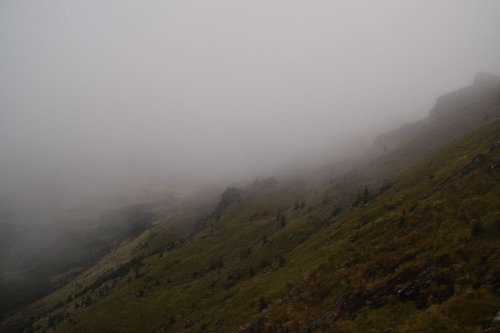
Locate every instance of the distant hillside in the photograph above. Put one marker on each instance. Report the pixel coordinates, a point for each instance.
(33, 255)
(454, 115)
(407, 242)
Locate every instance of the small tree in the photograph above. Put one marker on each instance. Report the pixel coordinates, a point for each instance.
(283, 220)
(282, 261)
(477, 229)
(366, 194)
(262, 304)
(358, 199)
(336, 211)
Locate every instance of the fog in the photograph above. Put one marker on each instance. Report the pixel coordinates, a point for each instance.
(122, 94)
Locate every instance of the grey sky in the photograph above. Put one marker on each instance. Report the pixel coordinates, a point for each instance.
(105, 89)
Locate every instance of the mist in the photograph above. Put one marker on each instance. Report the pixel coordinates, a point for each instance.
(113, 96)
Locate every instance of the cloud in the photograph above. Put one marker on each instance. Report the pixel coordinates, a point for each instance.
(221, 89)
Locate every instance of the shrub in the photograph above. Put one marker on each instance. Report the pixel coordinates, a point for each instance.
(262, 304)
(477, 229)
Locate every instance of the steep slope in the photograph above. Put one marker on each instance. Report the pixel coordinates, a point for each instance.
(383, 247)
(453, 115)
(40, 258)
(468, 101)
(422, 256)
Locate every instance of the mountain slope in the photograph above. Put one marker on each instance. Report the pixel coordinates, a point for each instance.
(422, 256)
(477, 102)
(418, 252)
(453, 115)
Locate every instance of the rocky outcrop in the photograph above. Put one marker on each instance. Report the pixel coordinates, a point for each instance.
(464, 100)
(228, 197)
(484, 85)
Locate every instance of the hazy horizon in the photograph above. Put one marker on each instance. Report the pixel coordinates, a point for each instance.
(103, 93)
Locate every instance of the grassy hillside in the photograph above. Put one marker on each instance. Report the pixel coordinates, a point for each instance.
(454, 115)
(422, 256)
(405, 242)
(41, 258)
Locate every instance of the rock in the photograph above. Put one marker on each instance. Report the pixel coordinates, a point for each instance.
(189, 324)
(256, 326)
(496, 320)
(473, 165)
(495, 146)
(425, 196)
(230, 195)
(324, 317)
(408, 292)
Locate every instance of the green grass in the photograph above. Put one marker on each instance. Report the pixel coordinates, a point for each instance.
(344, 273)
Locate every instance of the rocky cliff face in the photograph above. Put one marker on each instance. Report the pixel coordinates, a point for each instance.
(485, 85)
(468, 107)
